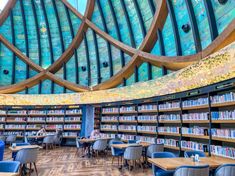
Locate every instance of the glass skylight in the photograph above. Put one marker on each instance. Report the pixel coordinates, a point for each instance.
(80, 5)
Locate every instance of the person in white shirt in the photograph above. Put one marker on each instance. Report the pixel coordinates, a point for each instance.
(41, 132)
(95, 134)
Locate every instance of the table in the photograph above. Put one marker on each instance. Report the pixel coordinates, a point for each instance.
(173, 163)
(8, 174)
(124, 146)
(35, 137)
(17, 148)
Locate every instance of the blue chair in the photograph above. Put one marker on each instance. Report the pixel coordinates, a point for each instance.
(158, 171)
(2, 147)
(100, 145)
(225, 170)
(192, 171)
(133, 153)
(18, 144)
(116, 152)
(9, 166)
(188, 154)
(132, 141)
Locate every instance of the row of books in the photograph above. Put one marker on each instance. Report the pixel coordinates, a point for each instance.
(166, 117)
(53, 126)
(223, 115)
(33, 112)
(195, 116)
(227, 97)
(1, 126)
(169, 129)
(126, 118)
(126, 137)
(2, 119)
(195, 130)
(147, 118)
(147, 107)
(72, 126)
(127, 127)
(54, 119)
(69, 134)
(3, 112)
(147, 128)
(169, 105)
(36, 119)
(194, 146)
(223, 151)
(71, 119)
(74, 111)
(107, 135)
(55, 111)
(21, 112)
(195, 102)
(18, 133)
(168, 142)
(16, 126)
(110, 110)
(127, 108)
(108, 127)
(109, 118)
(145, 139)
(223, 133)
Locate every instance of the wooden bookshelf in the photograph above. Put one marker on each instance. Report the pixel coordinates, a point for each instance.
(223, 139)
(111, 130)
(147, 132)
(110, 121)
(196, 136)
(170, 110)
(148, 111)
(147, 121)
(171, 147)
(223, 121)
(127, 131)
(110, 113)
(168, 134)
(196, 107)
(169, 121)
(128, 112)
(72, 129)
(196, 121)
(127, 121)
(230, 103)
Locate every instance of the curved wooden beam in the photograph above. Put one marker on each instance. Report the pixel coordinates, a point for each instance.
(147, 44)
(66, 84)
(6, 11)
(18, 53)
(77, 40)
(24, 84)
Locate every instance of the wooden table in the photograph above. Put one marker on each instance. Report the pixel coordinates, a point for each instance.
(124, 146)
(8, 174)
(35, 137)
(173, 163)
(17, 148)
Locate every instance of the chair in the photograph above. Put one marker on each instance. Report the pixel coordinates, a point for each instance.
(111, 142)
(100, 145)
(2, 148)
(158, 171)
(116, 152)
(27, 156)
(57, 140)
(11, 139)
(9, 166)
(188, 154)
(48, 141)
(132, 141)
(192, 171)
(3, 138)
(79, 145)
(154, 148)
(133, 153)
(18, 144)
(225, 170)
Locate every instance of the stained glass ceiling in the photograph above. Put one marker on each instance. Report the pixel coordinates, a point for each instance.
(80, 5)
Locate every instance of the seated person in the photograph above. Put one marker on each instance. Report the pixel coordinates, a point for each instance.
(41, 132)
(95, 134)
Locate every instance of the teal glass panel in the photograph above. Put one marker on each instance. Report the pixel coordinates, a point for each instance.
(138, 36)
(54, 30)
(202, 22)
(20, 66)
(46, 87)
(168, 38)
(45, 55)
(146, 13)
(96, 17)
(5, 30)
(122, 23)
(92, 57)
(156, 72)
(182, 18)
(127, 58)
(143, 72)
(32, 32)
(60, 74)
(156, 49)
(76, 22)
(108, 18)
(80, 5)
(224, 14)
(6, 63)
(82, 61)
(70, 70)
(117, 65)
(104, 57)
(130, 80)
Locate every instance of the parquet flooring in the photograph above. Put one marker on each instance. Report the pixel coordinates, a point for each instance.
(63, 161)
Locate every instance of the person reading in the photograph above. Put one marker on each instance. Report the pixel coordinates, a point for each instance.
(41, 132)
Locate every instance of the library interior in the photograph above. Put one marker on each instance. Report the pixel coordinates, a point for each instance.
(117, 87)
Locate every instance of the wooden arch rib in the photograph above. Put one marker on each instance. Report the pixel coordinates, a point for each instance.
(147, 44)
(6, 11)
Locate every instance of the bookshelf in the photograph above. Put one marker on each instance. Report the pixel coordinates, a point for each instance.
(26, 121)
(201, 119)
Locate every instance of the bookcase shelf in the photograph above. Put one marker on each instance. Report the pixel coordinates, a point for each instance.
(196, 121)
(168, 134)
(223, 139)
(195, 107)
(170, 110)
(195, 136)
(231, 103)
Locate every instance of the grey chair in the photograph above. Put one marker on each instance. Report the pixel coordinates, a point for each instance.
(3, 138)
(225, 170)
(27, 156)
(79, 145)
(57, 140)
(11, 139)
(48, 141)
(133, 154)
(100, 145)
(192, 171)
(154, 148)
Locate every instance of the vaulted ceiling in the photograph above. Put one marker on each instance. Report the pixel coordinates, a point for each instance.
(50, 47)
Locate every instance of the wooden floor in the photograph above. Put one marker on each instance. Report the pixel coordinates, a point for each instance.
(64, 162)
